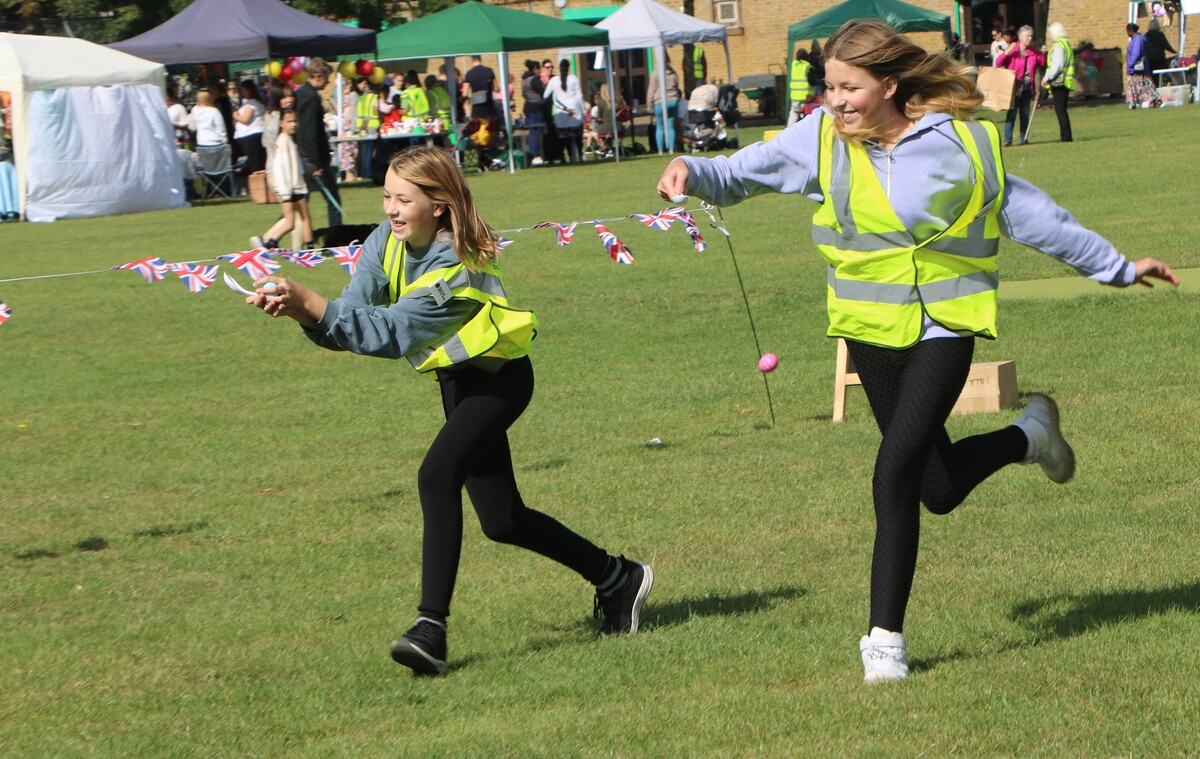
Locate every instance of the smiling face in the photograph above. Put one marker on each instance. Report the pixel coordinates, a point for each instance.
(858, 99)
(413, 215)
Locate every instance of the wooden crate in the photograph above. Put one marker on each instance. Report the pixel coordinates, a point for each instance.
(991, 386)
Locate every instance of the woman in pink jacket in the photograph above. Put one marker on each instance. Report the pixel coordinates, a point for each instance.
(1023, 60)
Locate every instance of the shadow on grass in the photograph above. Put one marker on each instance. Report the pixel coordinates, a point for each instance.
(1068, 615)
(677, 612)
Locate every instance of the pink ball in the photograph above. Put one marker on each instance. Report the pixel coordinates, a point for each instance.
(768, 362)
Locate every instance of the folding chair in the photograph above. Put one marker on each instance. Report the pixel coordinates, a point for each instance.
(214, 167)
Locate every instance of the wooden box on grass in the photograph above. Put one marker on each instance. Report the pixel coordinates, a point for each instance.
(990, 386)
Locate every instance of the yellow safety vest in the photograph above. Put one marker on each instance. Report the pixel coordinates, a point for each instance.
(698, 64)
(415, 102)
(367, 111)
(495, 334)
(800, 89)
(1067, 77)
(441, 101)
(882, 282)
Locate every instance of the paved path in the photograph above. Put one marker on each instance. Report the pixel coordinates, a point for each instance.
(1070, 287)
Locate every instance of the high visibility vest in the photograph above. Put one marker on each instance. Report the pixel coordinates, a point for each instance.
(415, 102)
(1066, 78)
(699, 65)
(367, 112)
(881, 281)
(495, 334)
(441, 101)
(800, 89)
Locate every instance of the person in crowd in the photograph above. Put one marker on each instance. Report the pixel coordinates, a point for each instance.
(566, 101)
(1140, 91)
(477, 87)
(212, 142)
(177, 112)
(704, 98)
(1060, 76)
(534, 109)
(414, 102)
(999, 44)
(222, 101)
(439, 100)
(427, 277)
(802, 84)
(912, 277)
(1025, 61)
(313, 138)
(290, 185)
(605, 124)
(1157, 47)
(552, 149)
(366, 122)
(347, 152)
(248, 126)
(664, 128)
(279, 98)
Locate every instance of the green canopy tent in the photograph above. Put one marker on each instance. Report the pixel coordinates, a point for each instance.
(475, 28)
(903, 17)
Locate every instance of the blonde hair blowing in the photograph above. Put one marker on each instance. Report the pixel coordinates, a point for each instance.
(925, 82)
(435, 172)
(1056, 30)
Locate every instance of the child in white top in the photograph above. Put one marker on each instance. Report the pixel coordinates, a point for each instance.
(289, 183)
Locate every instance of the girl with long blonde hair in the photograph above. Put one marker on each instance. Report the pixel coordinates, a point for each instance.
(428, 289)
(912, 199)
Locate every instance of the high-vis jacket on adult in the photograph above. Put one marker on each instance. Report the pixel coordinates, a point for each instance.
(405, 313)
(800, 88)
(928, 180)
(882, 280)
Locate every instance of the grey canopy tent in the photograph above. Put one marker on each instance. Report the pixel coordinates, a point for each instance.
(474, 28)
(211, 31)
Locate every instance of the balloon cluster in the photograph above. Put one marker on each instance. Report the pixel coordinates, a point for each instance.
(368, 69)
(291, 70)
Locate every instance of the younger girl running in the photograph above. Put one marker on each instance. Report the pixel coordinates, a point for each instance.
(290, 185)
(428, 289)
(913, 198)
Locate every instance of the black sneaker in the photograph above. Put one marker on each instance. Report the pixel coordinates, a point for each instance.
(423, 648)
(622, 606)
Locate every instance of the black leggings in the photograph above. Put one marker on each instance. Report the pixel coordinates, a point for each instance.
(472, 450)
(911, 392)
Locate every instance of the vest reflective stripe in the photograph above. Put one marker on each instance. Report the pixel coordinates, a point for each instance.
(1067, 77)
(494, 334)
(367, 111)
(415, 102)
(799, 88)
(441, 101)
(882, 282)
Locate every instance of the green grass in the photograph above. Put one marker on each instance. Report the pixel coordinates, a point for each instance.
(209, 530)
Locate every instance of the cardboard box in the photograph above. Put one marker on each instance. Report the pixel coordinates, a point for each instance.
(997, 86)
(1173, 96)
(260, 189)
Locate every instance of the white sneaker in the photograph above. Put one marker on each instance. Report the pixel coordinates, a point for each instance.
(1047, 447)
(256, 242)
(884, 656)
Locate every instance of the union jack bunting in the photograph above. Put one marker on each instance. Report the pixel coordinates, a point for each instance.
(617, 249)
(503, 243)
(693, 229)
(305, 258)
(348, 257)
(196, 277)
(661, 220)
(255, 264)
(152, 268)
(565, 231)
(5, 312)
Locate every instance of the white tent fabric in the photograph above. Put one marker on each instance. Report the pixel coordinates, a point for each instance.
(91, 135)
(645, 23)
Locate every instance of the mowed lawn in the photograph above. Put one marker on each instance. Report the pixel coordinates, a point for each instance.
(210, 534)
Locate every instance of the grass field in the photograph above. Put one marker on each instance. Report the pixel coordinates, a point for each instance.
(209, 530)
